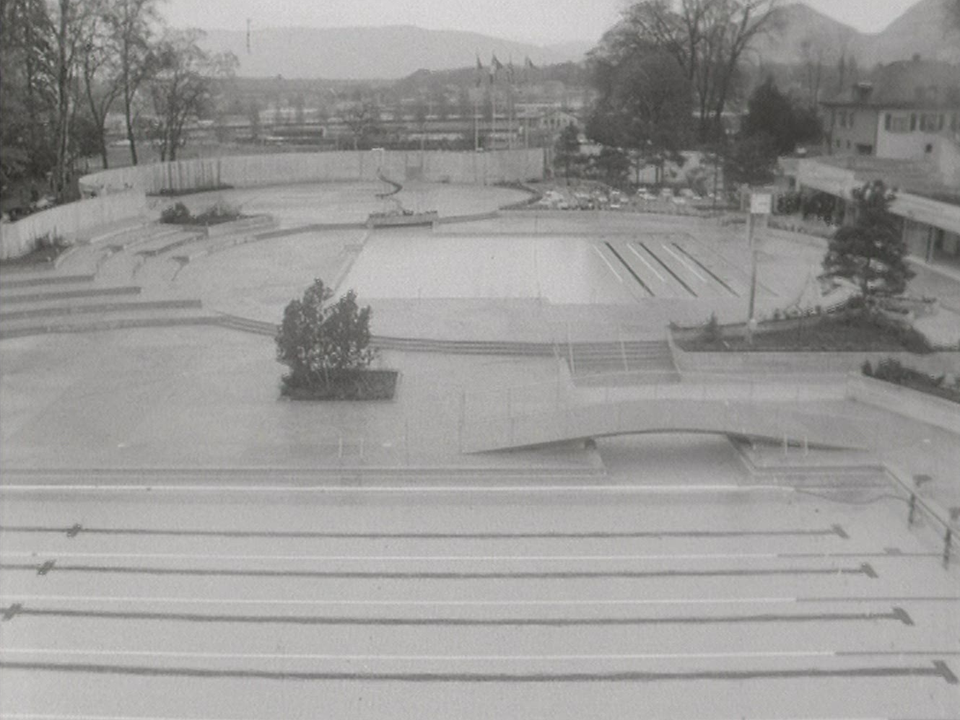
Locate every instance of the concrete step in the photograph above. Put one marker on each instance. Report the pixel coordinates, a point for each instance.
(86, 323)
(39, 297)
(168, 243)
(99, 309)
(135, 237)
(16, 283)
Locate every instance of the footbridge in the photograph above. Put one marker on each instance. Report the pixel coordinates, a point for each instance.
(809, 412)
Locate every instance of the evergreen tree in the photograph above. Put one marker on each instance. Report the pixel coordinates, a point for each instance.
(871, 251)
(321, 342)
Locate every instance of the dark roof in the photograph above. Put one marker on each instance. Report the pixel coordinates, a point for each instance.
(907, 83)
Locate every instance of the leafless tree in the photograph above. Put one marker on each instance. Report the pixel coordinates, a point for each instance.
(182, 86)
(133, 26)
(707, 38)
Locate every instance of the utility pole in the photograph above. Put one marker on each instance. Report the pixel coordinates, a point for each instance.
(760, 204)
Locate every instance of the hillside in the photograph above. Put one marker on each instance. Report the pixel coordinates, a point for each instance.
(365, 53)
(805, 34)
(922, 29)
(396, 51)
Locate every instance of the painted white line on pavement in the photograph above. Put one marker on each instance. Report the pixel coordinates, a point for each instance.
(419, 658)
(454, 489)
(405, 603)
(392, 558)
(644, 261)
(616, 274)
(683, 262)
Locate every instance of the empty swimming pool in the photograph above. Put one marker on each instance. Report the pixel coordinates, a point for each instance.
(561, 270)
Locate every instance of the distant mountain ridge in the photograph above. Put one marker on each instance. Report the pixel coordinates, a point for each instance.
(369, 53)
(395, 51)
(805, 33)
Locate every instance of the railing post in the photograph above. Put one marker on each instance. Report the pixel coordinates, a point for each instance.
(947, 541)
(623, 349)
(463, 415)
(913, 509)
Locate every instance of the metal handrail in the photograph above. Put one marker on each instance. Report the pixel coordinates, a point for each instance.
(915, 501)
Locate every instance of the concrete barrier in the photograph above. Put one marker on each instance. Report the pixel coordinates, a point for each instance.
(905, 401)
(487, 168)
(249, 225)
(69, 221)
(802, 362)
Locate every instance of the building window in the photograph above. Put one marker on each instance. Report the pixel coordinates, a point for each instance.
(931, 122)
(852, 116)
(899, 123)
(886, 122)
(838, 142)
(913, 122)
(864, 149)
(928, 149)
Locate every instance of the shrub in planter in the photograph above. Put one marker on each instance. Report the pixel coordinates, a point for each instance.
(176, 214)
(712, 334)
(179, 214)
(326, 345)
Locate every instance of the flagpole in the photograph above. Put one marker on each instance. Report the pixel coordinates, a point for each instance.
(493, 119)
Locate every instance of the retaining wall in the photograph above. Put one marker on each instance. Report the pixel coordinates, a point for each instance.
(806, 362)
(69, 221)
(288, 168)
(905, 401)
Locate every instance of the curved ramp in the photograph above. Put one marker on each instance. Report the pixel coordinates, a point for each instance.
(397, 187)
(812, 423)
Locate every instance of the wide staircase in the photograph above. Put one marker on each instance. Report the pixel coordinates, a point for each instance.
(623, 361)
(99, 287)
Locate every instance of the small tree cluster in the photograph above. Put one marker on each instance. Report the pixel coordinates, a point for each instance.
(322, 342)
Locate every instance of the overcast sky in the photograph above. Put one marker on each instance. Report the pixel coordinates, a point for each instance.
(539, 21)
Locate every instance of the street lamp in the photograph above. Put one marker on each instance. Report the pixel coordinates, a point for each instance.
(760, 205)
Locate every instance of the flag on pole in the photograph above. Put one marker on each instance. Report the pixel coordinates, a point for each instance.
(495, 67)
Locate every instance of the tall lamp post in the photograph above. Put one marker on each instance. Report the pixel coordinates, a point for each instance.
(760, 205)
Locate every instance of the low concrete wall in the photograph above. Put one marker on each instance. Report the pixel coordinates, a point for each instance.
(69, 221)
(905, 401)
(288, 168)
(250, 225)
(804, 362)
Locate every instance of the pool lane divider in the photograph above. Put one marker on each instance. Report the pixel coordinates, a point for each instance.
(16, 610)
(76, 529)
(937, 669)
(51, 565)
(629, 269)
(666, 267)
(707, 270)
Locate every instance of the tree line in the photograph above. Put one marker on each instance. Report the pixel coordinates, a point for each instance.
(65, 65)
(667, 73)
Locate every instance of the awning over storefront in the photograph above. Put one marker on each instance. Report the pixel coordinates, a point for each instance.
(841, 181)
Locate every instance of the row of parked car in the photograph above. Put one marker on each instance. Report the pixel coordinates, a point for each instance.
(609, 199)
